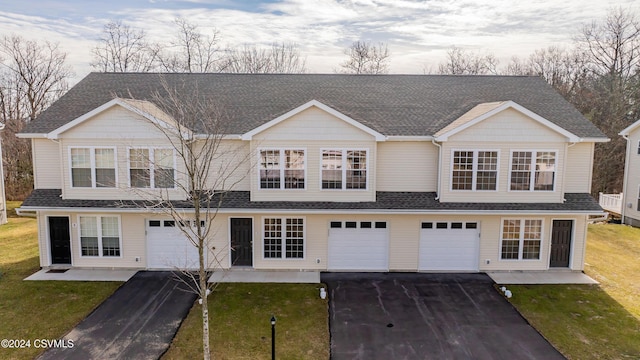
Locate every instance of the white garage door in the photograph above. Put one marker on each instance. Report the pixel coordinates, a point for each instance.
(168, 247)
(449, 246)
(358, 245)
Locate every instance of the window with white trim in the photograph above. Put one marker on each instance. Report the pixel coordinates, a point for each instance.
(638, 198)
(638, 147)
(533, 170)
(100, 236)
(474, 170)
(93, 167)
(521, 239)
(152, 168)
(344, 169)
(283, 234)
(282, 169)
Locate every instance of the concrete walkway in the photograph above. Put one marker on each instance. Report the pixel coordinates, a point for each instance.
(83, 275)
(540, 277)
(263, 276)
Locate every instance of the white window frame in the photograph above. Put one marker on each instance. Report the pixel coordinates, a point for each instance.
(282, 169)
(283, 239)
(344, 168)
(92, 156)
(532, 170)
(98, 218)
(638, 151)
(522, 239)
(638, 199)
(474, 170)
(152, 152)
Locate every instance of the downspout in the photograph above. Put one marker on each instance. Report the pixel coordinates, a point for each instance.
(3, 198)
(624, 179)
(433, 141)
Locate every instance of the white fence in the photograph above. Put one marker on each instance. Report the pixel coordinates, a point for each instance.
(611, 202)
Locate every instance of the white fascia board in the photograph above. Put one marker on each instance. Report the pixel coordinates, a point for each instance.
(327, 211)
(31, 136)
(249, 135)
(629, 129)
(223, 137)
(510, 105)
(596, 140)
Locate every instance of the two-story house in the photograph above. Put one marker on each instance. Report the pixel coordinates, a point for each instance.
(361, 173)
(630, 210)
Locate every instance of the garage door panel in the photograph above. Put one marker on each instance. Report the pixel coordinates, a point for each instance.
(449, 249)
(168, 248)
(358, 249)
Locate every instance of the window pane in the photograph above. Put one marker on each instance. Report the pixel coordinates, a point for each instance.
(294, 169)
(164, 178)
(110, 226)
(365, 225)
(105, 177)
(356, 170)
(89, 236)
(487, 175)
(510, 239)
(105, 158)
(270, 169)
(295, 239)
(272, 238)
(350, 224)
(331, 169)
(532, 238)
(139, 173)
(521, 170)
(462, 175)
(545, 171)
(81, 168)
(110, 246)
(110, 236)
(163, 158)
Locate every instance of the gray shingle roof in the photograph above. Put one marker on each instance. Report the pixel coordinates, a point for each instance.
(406, 105)
(417, 201)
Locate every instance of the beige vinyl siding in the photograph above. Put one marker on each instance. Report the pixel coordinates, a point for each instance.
(632, 181)
(46, 164)
(114, 123)
(509, 125)
(579, 167)
(503, 194)
(231, 167)
(122, 190)
(407, 166)
(313, 124)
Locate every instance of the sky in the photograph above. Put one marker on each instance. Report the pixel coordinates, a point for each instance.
(418, 33)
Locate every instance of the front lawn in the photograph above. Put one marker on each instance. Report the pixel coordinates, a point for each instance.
(32, 310)
(589, 321)
(240, 327)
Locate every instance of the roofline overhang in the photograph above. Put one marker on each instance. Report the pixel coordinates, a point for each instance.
(249, 135)
(508, 105)
(321, 211)
(626, 131)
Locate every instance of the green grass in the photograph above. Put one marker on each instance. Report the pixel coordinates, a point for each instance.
(32, 310)
(590, 321)
(240, 327)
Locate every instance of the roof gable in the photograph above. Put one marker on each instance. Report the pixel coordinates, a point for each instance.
(485, 111)
(629, 129)
(313, 103)
(143, 108)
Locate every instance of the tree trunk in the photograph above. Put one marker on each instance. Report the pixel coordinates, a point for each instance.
(205, 310)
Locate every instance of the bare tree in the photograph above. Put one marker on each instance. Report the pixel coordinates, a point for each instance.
(32, 76)
(122, 48)
(191, 51)
(462, 62)
(279, 58)
(366, 58)
(207, 168)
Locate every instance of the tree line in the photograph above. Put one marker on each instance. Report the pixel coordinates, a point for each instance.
(599, 74)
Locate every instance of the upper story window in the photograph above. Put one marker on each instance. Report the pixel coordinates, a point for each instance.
(282, 169)
(533, 170)
(152, 168)
(521, 239)
(93, 167)
(474, 170)
(344, 169)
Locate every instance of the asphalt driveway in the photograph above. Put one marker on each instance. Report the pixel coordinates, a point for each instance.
(427, 316)
(137, 322)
